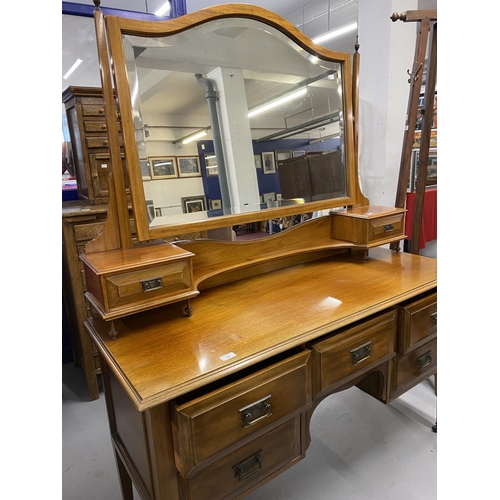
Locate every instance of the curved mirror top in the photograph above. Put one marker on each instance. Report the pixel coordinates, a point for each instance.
(233, 117)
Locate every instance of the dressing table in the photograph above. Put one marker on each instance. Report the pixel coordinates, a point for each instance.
(216, 353)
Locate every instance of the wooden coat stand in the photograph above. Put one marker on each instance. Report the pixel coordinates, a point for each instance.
(427, 31)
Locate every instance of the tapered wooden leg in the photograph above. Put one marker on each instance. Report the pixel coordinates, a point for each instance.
(125, 481)
(435, 426)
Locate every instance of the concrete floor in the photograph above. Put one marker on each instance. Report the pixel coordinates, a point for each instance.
(361, 449)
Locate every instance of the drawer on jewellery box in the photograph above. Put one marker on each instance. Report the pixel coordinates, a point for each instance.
(211, 423)
(368, 225)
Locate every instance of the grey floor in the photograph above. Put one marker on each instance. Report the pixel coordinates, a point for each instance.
(361, 449)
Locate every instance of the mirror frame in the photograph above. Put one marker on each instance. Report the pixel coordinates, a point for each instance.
(116, 27)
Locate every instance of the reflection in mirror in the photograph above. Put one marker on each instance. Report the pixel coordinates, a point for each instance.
(237, 117)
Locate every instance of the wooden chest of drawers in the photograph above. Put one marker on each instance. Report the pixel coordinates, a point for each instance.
(89, 140)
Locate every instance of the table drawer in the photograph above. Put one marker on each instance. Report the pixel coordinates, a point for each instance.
(246, 466)
(380, 229)
(417, 321)
(148, 284)
(349, 351)
(414, 367)
(212, 422)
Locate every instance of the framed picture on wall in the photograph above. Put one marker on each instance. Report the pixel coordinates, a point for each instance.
(283, 154)
(163, 167)
(268, 197)
(296, 154)
(189, 166)
(192, 204)
(215, 204)
(258, 161)
(211, 165)
(268, 162)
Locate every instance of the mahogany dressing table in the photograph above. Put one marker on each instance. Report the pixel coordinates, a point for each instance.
(216, 353)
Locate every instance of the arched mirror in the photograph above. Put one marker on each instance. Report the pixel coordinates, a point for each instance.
(230, 115)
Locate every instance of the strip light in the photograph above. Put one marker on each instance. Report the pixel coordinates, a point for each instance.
(193, 137)
(163, 10)
(70, 71)
(335, 33)
(278, 102)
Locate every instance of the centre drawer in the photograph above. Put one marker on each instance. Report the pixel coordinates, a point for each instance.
(349, 351)
(213, 422)
(246, 466)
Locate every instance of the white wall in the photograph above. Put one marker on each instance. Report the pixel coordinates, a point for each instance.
(387, 52)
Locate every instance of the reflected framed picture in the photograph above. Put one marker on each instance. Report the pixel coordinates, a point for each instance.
(189, 166)
(163, 167)
(192, 204)
(258, 161)
(268, 162)
(146, 174)
(211, 165)
(296, 154)
(215, 204)
(283, 154)
(268, 197)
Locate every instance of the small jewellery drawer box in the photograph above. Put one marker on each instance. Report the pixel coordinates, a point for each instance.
(123, 282)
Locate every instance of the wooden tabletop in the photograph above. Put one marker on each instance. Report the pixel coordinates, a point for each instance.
(161, 354)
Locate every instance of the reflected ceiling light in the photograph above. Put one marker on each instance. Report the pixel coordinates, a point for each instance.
(163, 10)
(193, 137)
(334, 33)
(68, 73)
(277, 102)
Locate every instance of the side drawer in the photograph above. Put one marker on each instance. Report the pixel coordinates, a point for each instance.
(246, 466)
(417, 321)
(148, 284)
(212, 422)
(349, 351)
(411, 369)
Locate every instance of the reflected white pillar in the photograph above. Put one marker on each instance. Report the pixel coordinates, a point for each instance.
(236, 139)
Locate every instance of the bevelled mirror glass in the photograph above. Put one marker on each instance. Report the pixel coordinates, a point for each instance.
(233, 117)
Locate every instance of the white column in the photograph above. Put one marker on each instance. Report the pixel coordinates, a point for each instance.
(236, 139)
(387, 50)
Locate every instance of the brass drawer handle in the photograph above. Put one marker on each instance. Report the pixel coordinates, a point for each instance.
(255, 412)
(434, 319)
(152, 284)
(424, 360)
(360, 353)
(248, 467)
(388, 227)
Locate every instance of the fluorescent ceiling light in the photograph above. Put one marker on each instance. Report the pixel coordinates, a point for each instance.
(77, 63)
(334, 33)
(163, 10)
(277, 102)
(193, 137)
